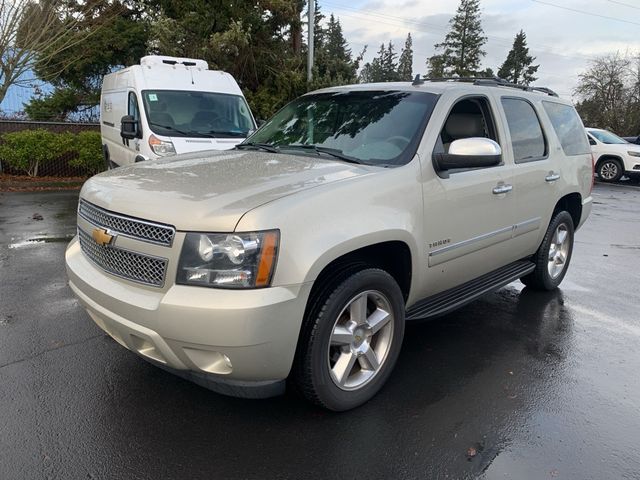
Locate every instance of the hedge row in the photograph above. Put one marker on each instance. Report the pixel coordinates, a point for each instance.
(27, 151)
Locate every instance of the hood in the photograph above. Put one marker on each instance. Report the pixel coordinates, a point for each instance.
(618, 147)
(188, 144)
(210, 191)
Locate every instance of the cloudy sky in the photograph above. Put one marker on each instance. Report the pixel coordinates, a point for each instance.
(562, 34)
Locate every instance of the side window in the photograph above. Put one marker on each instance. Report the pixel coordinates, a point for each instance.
(568, 127)
(133, 109)
(469, 117)
(527, 138)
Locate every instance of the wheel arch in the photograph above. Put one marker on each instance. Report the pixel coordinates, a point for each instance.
(608, 156)
(393, 256)
(571, 203)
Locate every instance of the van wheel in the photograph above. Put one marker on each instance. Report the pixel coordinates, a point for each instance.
(553, 257)
(610, 170)
(350, 340)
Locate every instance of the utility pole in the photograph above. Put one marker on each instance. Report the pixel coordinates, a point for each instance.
(312, 23)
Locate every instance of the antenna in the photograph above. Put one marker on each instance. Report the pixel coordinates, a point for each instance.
(417, 80)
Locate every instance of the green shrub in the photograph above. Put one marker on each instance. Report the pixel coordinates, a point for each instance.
(27, 150)
(88, 147)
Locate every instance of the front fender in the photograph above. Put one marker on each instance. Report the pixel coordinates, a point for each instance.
(319, 225)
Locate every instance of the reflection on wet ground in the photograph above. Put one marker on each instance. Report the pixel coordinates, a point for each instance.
(520, 384)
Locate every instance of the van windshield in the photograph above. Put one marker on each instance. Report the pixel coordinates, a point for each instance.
(177, 113)
(371, 127)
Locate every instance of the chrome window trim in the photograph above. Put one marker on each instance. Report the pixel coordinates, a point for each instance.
(515, 229)
(470, 241)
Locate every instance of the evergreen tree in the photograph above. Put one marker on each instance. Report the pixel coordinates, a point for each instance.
(462, 47)
(405, 64)
(76, 72)
(333, 61)
(435, 66)
(383, 68)
(487, 72)
(390, 65)
(518, 66)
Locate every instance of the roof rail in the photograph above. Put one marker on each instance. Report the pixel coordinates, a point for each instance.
(485, 81)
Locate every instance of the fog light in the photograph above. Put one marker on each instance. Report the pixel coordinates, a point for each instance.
(209, 361)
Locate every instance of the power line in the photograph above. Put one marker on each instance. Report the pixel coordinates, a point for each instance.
(586, 13)
(624, 4)
(499, 40)
(508, 41)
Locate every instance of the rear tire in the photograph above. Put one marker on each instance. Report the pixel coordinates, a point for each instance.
(554, 254)
(610, 170)
(350, 340)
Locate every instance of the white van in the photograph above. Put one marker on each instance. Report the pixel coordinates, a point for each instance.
(170, 105)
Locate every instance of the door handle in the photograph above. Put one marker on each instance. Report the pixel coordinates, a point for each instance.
(552, 177)
(502, 189)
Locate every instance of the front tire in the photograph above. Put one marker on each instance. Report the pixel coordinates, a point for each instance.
(554, 254)
(610, 170)
(350, 340)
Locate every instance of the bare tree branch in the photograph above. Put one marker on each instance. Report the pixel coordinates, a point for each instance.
(37, 31)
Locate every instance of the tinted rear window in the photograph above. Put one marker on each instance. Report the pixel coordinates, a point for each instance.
(526, 133)
(568, 127)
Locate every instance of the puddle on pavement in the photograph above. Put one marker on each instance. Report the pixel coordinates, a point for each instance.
(39, 240)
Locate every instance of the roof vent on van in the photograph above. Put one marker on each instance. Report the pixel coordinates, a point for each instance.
(162, 61)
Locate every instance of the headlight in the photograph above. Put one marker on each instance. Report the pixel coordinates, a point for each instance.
(162, 148)
(233, 260)
(634, 154)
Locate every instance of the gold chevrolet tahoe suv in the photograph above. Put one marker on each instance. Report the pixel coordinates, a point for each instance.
(296, 258)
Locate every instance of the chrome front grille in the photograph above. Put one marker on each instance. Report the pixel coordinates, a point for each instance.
(128, 226)
(124, 263)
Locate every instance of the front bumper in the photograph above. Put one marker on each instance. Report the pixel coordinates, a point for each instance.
(231, 338)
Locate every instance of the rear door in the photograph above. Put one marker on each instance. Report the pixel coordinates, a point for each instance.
(536, 172)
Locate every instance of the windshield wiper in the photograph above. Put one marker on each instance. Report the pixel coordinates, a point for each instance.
(334, 152)
(264, 146)
(190, 133)
(227, 132)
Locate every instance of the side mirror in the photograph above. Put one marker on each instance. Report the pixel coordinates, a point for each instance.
(260, 122)
(472, 152)
(130, 128)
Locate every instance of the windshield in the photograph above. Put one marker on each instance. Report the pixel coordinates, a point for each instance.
(176, 113)
(371, 127)
(607, 137)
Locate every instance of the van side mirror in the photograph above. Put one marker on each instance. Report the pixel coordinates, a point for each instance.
(130, 128)
(260, 122)
(475, 152)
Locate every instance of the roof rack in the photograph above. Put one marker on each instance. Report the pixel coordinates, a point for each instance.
(485, 81)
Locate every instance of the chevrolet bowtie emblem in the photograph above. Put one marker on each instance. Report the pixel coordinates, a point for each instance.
(102, 237)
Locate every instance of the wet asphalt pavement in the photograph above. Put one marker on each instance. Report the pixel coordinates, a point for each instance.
(519, 384)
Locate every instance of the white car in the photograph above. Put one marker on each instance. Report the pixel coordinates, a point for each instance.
(613, 156)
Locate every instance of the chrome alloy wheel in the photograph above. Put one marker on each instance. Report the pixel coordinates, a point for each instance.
(609, 170)
(360, 340)
(558, 251)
